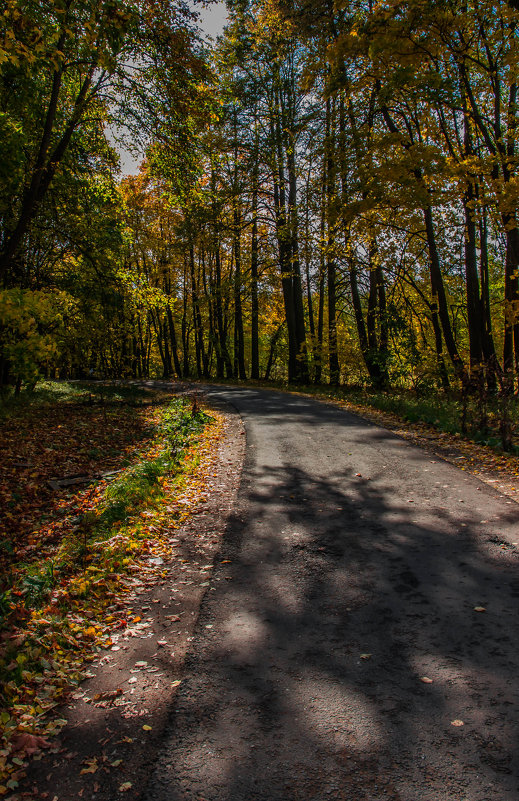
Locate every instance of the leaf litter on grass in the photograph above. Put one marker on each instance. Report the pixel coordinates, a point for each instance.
(65, 595)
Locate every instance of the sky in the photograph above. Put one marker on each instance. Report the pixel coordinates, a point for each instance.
(212, 20)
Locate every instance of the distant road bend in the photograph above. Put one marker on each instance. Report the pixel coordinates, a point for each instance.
(359, 640)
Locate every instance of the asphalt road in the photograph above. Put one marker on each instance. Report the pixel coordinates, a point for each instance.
(351, 571)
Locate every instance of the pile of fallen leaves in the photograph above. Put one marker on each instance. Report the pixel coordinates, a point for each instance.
(69, 554)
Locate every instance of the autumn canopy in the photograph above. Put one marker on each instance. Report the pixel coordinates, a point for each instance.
(329, 193)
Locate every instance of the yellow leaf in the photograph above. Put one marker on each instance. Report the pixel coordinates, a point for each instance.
(125, 786)
(92, 766)
(146, 727)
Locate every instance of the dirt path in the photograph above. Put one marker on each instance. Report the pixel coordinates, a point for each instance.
(360, 641)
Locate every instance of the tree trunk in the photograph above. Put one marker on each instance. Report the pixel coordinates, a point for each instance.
(511, 327)
(439, 298)
(330, 170)
(286, 231)
(489, 351)
(239, 346)
(254, 373)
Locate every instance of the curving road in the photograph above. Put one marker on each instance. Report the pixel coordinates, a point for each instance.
(351, 571)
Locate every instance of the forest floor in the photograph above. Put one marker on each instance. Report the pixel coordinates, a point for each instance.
(135, 625)
(95, 483)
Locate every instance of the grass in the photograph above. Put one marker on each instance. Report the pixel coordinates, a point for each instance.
(472, 419)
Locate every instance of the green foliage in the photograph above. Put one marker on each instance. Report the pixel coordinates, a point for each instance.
(38, 582)
(316, 176)
(30, 325)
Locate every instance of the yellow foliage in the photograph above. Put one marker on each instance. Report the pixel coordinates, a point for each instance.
(30, 322)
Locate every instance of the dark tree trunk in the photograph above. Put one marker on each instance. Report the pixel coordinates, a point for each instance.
(320, 307)
(185, 326)
(239, 345)
(272, 351)
(173, 340)
(440, 361)
(330, 171)
(475, 322)
(511, 327)
(489, 351)
(286, 231)
(254, 373)
(221, 329)
(45, 165)
(439, 298)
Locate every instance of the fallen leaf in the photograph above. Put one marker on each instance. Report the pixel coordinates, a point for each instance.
(146, 727)
(108, 696)
(92, 766)
(176, 683)
(479, 609)
(457, 722)
(426, 680)
(365, 656)
(29, 743)
(125, 786)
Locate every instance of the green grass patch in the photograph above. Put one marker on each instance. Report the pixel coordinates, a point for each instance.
(476, 419)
